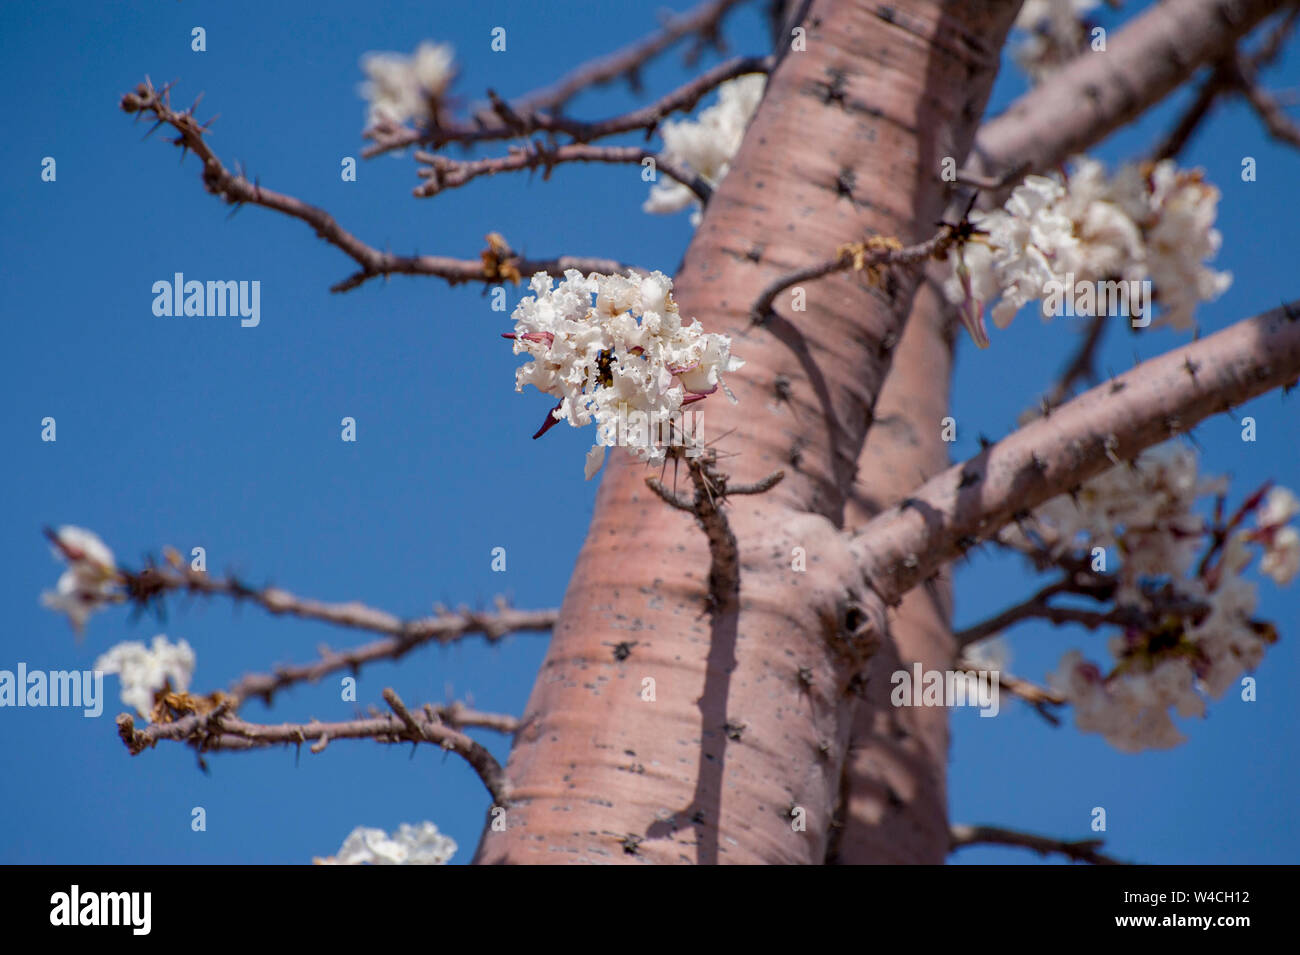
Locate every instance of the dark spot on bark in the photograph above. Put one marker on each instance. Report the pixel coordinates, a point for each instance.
(832, 91)
(845, 183)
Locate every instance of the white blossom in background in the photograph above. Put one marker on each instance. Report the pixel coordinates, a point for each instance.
(410, 845)
(1058, 33)
(993, 654)
(91, 580)
(1281, 542)
(400, 88)
(1145, 517)
(630, 352)
(1145, 512)
(1148, 222)
(146, 670)
(706, 144)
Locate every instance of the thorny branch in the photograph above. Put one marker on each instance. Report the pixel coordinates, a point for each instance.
(152, 583)
(207, 725)
(1229, 75)
(508, 121)
(444, 173)
(237, 190)
(870, 255)
(711, 491)
(1115, 421)
(703, 21)
(1082, 850)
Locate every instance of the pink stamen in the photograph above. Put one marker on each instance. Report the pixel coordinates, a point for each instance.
(542, 338)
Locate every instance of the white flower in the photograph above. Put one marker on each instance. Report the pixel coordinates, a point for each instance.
(1146, 514)
(1145, 223)
(706, 144)
(991, 654)
(410, 845)
(626, 359)
(402, 87)
(145, 671)
(1144, 511)
(1058, 34)
(1279, 507)
(91, 580)
(1282, 557)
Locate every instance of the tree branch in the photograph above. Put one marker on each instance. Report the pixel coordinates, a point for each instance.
(216, 730)
(444, 173)
(1115, 421)
(1094, 95)
(871, 254)
(704, 19)
(1082, 850)
(1082, 366)
(237, 190)
(508, 121)
(1220, 81)
(152, 583)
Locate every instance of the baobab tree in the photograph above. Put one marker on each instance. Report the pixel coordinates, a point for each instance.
(735, 670)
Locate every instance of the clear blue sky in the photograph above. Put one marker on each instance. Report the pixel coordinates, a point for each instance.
(193, 431)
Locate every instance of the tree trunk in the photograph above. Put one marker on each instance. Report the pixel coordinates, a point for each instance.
(739, 755)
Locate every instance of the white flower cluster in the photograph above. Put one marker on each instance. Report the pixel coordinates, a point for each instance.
(1145, 222)
(91, 580)
(629, 354)
(410, 845)
(1058, 33)
(146, 670)
(400, 87)
(706, 144)
(1281, 541)
(1145, 513)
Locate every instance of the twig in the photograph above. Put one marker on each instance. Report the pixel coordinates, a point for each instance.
(1225, 78)
(1081, 850)
(444, 173)
(155, 581)
(508, 122)
(1280, 126)
(218, 731)
(238, 190)
(670, 498)
(869, 255)
(704, 18)
(1039, 697)
(1082, 365)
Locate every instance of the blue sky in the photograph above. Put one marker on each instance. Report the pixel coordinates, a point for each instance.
(197, 432)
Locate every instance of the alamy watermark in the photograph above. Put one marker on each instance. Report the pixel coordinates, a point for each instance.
(133, 909)
(73, 688)
(921, 687)
(1070, 298)
(640, 429)
(194, 298)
